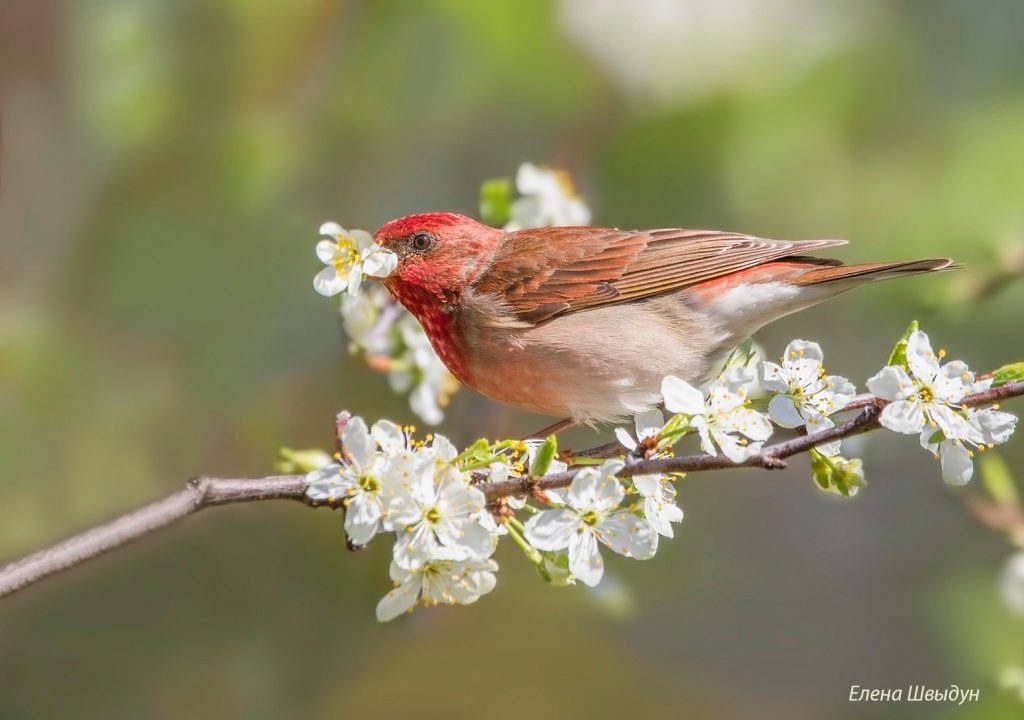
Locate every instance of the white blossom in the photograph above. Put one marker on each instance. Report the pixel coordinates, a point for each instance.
(927, 395)
(361, 482)
(347, 255)
(361, 316)
(592, 515)
(548, 199)
(983, 429)
(660, 507)
(805, 395)
(659, 494)
(436, 581)
(647, 424)
(723, 418)
(437, 514)
(419, 369)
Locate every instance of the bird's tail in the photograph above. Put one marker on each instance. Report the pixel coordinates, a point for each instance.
(872, 271)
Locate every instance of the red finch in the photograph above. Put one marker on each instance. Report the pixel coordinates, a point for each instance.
(584, 322)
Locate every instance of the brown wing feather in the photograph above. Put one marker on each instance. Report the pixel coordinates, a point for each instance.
(548, 272)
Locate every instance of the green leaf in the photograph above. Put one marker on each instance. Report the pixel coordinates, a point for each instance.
(837, 474)
(496, 201)
(674, 429)
(1008, 374)
(742, 355)
(543, 457)
(996, 477)
(899, 353)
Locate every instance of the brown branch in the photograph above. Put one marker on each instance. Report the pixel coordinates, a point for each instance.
(198, 494)
(207, 492)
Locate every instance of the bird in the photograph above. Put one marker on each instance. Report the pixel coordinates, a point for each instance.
(583, 323)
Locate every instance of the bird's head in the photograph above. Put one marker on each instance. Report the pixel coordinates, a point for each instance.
(439, 254)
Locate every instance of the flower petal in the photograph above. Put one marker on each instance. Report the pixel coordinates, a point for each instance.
(582, 494)
(625, 439)
(552, 529)
(842, 392)
(628, 535)
(952, 423)
(585, 561)
(326, 250)
(995, 426)
(751, 423)
(388, 436)
(818, 423)
(903, 416)
(647, 485)
(355, 279)
(400, 600)
(957, 464)
(681, 397)
(773, 377)
(608, 492)
(331, 229)
(661, 514)
(362, 518)
(649, 423)
(380, 263)
(923, 362)
(953, 381)
(466, 535)
(356, 441)
(328, 283)
(892, 383)
(361, 239)
(783, 412)
(732, 447)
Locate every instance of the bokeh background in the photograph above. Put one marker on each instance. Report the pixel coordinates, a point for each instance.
(165, 166)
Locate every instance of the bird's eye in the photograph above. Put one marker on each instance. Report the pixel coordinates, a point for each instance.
(422, 241)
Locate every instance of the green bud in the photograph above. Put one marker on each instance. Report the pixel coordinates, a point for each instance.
(496, 202)
(837, 474)
(300, 462)
(543, 456)
(898, 356)
(554, 568)
(1008, 374)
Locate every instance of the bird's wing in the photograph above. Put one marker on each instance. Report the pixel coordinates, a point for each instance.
(546, 272)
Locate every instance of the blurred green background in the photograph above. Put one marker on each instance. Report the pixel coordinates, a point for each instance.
(165, 166)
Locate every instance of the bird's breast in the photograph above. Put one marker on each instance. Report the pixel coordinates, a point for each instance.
(440, 321)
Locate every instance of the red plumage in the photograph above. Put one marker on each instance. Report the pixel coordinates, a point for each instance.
(585, 321)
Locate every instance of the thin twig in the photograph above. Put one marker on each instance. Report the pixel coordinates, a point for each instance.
(206, 491)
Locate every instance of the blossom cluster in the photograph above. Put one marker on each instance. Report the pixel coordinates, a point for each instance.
(433, 499)
(379, 328)
(925, 399)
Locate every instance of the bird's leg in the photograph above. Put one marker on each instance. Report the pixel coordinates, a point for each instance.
(551, 429)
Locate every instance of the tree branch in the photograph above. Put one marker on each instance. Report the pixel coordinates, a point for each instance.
(207, 491)
(198, 493)
(771, 457)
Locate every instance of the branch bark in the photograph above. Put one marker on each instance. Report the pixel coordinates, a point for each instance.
(198, 493)
(208, 491)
